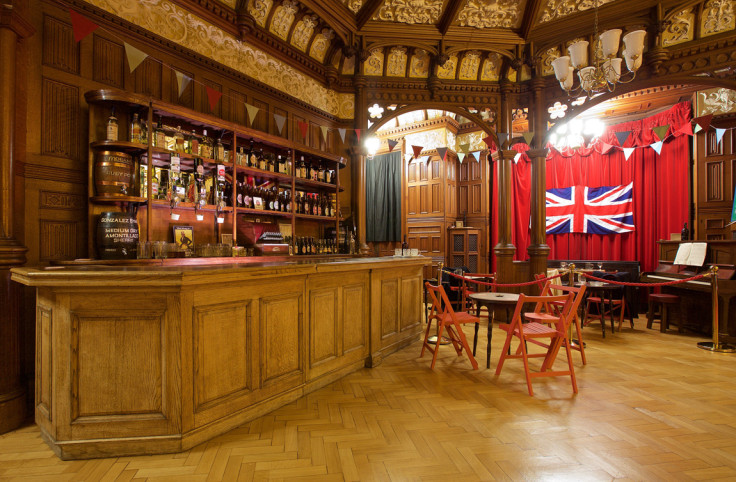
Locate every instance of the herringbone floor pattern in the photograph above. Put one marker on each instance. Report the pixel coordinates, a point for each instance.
(651, 407)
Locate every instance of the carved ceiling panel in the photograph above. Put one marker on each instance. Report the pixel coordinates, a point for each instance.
(547, 57)
(410, 11)
(491, 13)
(554, 9)
(348, 67)
(303, 32)
(447, 71)
(353, 5)
(681, 29)
(491, 68)
(321, 43)
(469, 66)
(374, 63)
(259, 10)
(717, 17)
(419, 66)
(283, 17)
(396, 63)
(229, 3)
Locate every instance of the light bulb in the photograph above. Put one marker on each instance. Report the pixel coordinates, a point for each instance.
(371, 145)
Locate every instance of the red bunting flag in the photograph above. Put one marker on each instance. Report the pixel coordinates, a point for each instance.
(490, 143)
(303, 126)
(442, 152)
(704, 121)
(605, 147)
(81, 25)
(357, 134)
(417, 150)
(686, 128)
(391, 144)
(213, 95)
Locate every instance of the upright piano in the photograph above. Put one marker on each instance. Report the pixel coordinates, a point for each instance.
(697, 308)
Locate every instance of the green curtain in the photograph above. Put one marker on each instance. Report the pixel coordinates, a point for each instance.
(383, 198)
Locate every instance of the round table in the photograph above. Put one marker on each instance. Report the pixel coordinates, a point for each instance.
(605, 292)
(491, 300)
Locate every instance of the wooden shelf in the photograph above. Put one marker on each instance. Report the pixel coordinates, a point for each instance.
(120, 146)
(308, 183)
(252, 171)
(327, 219)
(263, 212)
(185, 156)
(162, 204)
(117, 199)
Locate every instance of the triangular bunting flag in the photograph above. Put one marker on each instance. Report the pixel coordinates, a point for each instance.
(657, 146)
(303, 126)
(370, 124)
(442, 152)
(460, 157)
(280, 120)
(686, 128)
(719, 134)
(528, 136)
(324, 132)
(252, 112)
(417, 150)
(342, 131)
(476, 154)
(464, 148)
(81, 25)
(704, 121)
(489, 142)
(182, 80)
(517, 157)
(605, 147)
(135, 56)
(213, 96)
(697, 129)
(502, 138)
(391, 144)
(622, 136)
(661, 131)
(628, 151)
(357, 134)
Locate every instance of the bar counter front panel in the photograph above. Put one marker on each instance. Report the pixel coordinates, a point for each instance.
(151, 359)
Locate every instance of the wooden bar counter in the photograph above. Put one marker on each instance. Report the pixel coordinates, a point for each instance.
(156, 359)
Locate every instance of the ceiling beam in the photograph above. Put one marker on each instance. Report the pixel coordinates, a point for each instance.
(367, 11)
(453, 7)
(531, 14)
(334, 14)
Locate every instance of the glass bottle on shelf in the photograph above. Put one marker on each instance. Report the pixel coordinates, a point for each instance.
(144, 133)
(205, 146)
(252, 158)
(240, 157)
(154, 185)
(321, 173)
(194, 144)
(135, 129)
(262, 161)
(219, 150)
(112, 127)
(160, 136)
(328, 176)
(179, 143)
(300, 168)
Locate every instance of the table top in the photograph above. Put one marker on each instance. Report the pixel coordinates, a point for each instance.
(491, 297)
(599, 285)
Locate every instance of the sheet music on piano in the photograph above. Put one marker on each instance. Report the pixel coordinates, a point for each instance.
(691, 254)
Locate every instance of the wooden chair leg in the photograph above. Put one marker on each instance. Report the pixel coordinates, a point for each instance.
(571, 368)
(581, 345)
(437, 346)
(526, 367)
(650, 315)
(505, 352)
(426, 337)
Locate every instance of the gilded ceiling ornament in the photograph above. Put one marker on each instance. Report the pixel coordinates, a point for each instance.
(469, 66)
(419, 66)
(353, 5)
(491, 68)
(717, 17)
(283, 17)
(447, 70)
(180, 26)
(258, 9)
(555, 9)
(547, 57)
(428, 139)
(474, 139)
(396, 66)
(303, 32)
(680, 29)
(374, 64)
(321, 43)
(410, 11)
(716, 101)
(490, 13)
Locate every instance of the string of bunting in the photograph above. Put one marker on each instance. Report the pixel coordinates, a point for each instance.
(82, 27)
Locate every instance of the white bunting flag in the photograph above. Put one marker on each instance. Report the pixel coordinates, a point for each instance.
(279, 122)
(476, 154)
(460, 157)
(628, 151)
(342, 131)
(517, 157)
(182, 81)
(657, 146)
(135, 56)
(719, 134)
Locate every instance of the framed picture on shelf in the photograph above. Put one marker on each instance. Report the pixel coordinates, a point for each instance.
(184, 237)
(258, 203)
(226, 239)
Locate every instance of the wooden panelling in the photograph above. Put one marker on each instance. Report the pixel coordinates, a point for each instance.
(101, 385)
(61, 200)
(410, 302)
(389, 307)
(237, 109)
(44, 368)
(712, 146)
(273, 128)
(261, 121)
(60, 124)
(280, 337)
(715, 178)
(323, 324)
(475, 199)
(714, 181)
(221, 343)
(437, 201)
(147, 78)
(353, 315)
(204, 100)
(186, 99)
(108, 61)
(59, 48)
(296, 133)
(58, 240)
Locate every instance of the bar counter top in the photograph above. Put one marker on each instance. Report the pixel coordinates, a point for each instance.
(148, 358)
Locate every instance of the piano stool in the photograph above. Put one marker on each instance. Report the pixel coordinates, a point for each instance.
(663, 300)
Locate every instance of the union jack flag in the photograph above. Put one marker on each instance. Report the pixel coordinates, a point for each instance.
(597, 210)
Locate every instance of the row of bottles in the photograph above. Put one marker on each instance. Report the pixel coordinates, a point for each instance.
(198, 187)
(265, 162)
(307, 170)
(314, 204)
(260, 197)
(308, 245)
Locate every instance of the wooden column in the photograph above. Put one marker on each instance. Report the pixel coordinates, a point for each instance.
(504, 249)
(358, 167)
(13, 29)
(538, 249)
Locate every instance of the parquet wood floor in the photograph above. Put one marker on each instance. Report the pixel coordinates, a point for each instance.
(651, 407)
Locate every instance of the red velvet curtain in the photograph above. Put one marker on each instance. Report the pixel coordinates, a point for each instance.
(660, 192)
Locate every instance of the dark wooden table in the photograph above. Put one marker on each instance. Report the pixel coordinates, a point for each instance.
(489, 301)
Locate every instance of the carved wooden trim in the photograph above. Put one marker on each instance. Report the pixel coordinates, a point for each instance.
(49, 173)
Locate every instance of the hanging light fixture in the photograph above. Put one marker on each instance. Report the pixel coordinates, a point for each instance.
(605, 72)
